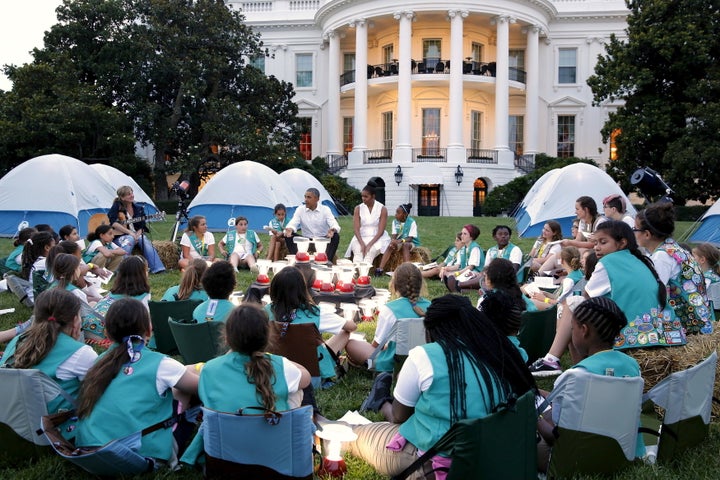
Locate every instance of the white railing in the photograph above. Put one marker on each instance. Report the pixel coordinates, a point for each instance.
(253, 7)
(304, 4)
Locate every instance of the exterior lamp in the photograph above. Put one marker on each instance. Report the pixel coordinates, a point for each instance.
(459, 175)
(398, 175)
(333, 436)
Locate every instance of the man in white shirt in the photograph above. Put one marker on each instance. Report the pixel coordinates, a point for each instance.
(316, 221)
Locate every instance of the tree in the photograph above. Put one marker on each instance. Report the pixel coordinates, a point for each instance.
(667, 73)
(177, 70)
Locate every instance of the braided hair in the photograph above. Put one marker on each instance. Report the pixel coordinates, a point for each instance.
(502, 276)
(603, 315)
(407, 281)
(466, 334)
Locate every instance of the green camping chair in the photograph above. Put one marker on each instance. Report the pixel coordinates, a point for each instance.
(198, 342)
(537, 332)
(159, 314)
(686, 398)
(25, 396)
(501, 445)
(593, 435)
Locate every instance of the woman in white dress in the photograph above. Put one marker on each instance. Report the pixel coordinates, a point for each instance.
(369, 222)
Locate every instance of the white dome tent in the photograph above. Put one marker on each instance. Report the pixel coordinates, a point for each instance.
(52, 189)
(245, 188)
(117, 178)
(300, 181)
(553, 196)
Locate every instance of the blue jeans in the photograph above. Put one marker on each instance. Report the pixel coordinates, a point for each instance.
(128, 242)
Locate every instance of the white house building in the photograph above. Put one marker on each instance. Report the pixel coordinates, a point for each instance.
(439, 101)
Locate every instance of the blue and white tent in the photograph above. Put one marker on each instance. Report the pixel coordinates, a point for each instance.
(709, 229)
(245, 188)
(553, 196)
(300, 181)
(52, 189)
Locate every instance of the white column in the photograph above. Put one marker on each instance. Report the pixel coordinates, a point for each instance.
(456, 149)
(403, 146)
(361, 85)
(502, 88)
(532, 90)
(334, 120)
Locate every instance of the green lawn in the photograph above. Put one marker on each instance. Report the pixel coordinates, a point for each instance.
(436, 234)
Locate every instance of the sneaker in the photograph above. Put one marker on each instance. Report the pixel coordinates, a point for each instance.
(379, 393)
(543, 368)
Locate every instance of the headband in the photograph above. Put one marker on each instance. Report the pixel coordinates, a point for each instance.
(652, 227)
(407, 212)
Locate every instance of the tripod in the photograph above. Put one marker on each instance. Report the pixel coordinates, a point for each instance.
(181, 216)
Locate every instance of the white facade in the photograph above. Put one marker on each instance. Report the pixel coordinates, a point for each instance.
(440, 86)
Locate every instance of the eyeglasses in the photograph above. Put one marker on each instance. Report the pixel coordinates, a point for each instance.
(639, 229)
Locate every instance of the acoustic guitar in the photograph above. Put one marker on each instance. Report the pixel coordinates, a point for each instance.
(102, 219)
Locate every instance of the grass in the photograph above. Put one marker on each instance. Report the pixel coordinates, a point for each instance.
(436, 233)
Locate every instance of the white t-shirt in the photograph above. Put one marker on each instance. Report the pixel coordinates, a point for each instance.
(169, 373)
(415, 377)
(515, 255)
(292, 375)
(242, 246)
(331, 322)
(665, 266)
(599, 282)
(208, 239)
(474, 259)
(386, 320)
(78, 364)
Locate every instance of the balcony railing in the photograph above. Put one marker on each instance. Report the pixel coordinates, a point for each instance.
(525, 163)
(481, 155)
(335, 163)
(381, 155)
(432, 67)
(429, 155)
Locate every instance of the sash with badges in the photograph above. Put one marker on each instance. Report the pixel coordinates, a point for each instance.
(657, 328)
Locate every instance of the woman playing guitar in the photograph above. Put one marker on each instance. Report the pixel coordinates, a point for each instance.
(131, 234)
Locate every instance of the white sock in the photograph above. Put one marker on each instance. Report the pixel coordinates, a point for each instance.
(550, 358)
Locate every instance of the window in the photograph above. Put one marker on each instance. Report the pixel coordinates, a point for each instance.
(430, 131)
(348, 134)
(388, 54)
(305, 125)
(476, 131)
(517, 59)
(387, 130)
(516, 124)
(348, 62)
(259, 63)
(431, 52)
(477, 52)
(567, 65)
(566, 136)
(304, 69)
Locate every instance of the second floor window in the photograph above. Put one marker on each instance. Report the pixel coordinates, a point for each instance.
(515, 134)
(387, 126)
(347, 134)
(259, 63)
(567, 65)
(304, 69)
(476, 131)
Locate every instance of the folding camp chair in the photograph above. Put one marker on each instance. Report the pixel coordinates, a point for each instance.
(408, 333)
(159, 314)
(596, 434)
(713, 293)
(271, 445)
(198, 342)
(537, 331)
(501, 445)
(26, 394)
(118, 457)
(686, 397)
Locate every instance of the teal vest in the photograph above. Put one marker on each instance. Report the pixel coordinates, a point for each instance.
(431, 419)
(170, 293)
(64, 348)
(493, 252)
(232, 236)
(687, 292)
(401, 308)
(10, 260)
(632, 285)
(327, 364)
(516, 342)
(575, 275)
(129, 404)
(224, 385)
(405, 230)
(465, 256)
(206, 312)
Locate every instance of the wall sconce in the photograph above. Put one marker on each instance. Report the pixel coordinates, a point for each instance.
(459, 175)
(333, 436)
(398, 175)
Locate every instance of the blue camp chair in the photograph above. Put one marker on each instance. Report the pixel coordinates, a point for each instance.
(270, 445)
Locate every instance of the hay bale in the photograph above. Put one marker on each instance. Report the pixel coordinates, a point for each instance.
(659, 362)
(168, 251)
(417, 255)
